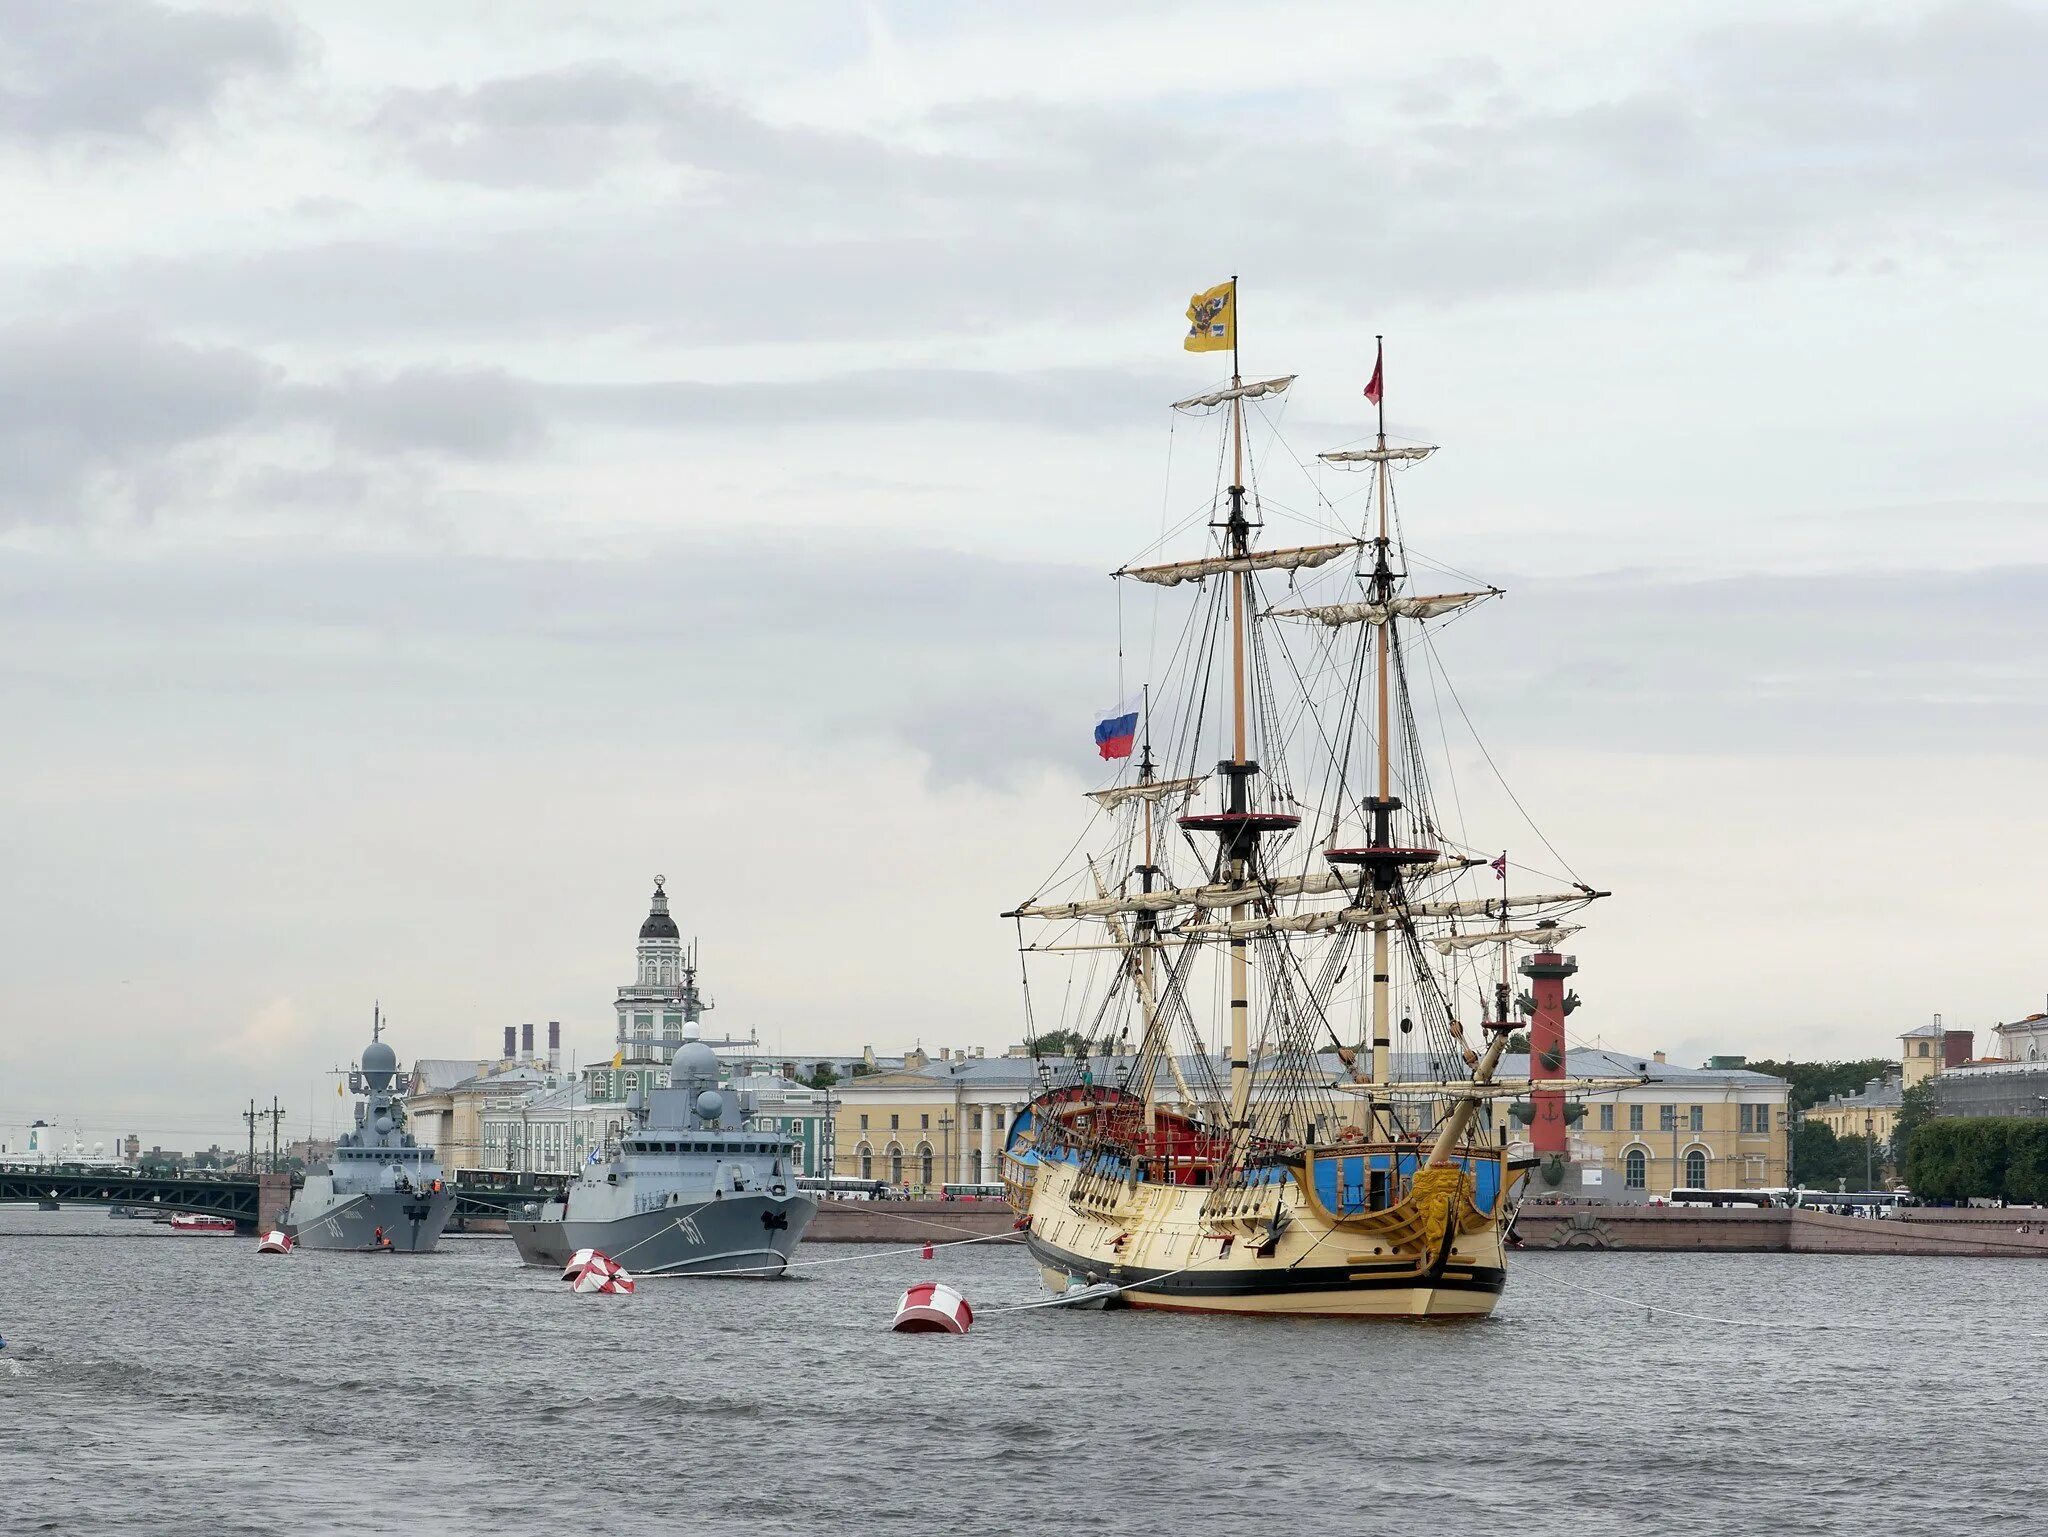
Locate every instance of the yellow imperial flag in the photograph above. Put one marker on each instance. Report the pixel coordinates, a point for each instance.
(337, 1090)
(1212, 319)
(618, 1056)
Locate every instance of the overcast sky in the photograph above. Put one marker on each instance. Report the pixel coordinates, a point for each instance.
(458, 461)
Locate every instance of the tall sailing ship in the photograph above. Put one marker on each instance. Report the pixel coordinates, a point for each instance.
(1303, 902)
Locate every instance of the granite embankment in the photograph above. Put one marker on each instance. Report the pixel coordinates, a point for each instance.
(2020, 1232)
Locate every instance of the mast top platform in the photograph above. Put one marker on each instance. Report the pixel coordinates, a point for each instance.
(1381, 855)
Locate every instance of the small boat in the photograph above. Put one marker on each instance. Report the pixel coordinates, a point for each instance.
(193, 1222)
(1089, 1296)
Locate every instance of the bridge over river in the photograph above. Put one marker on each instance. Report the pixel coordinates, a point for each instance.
(253, 1201)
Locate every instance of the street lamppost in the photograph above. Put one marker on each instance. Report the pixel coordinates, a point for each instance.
(1869, 1146)
(829, 1150)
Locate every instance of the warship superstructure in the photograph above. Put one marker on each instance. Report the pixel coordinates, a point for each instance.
(379, 1191)
(687, 1187)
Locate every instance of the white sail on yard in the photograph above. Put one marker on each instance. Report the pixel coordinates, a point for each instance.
(1250, 391)
(1299, 558)
(1454, 942)
(1219, 894)
(1431, 606)
(1359, 917)
(1155, 791)
(1347, 458)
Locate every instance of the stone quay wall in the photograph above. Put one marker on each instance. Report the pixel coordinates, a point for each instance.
(2018, 1233)
(908, 1222)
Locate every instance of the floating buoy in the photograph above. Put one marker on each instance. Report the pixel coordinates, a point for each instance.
(932, 1307)
(595, 1272)
(276, 1241)
(928, 1248)
(607, 1280)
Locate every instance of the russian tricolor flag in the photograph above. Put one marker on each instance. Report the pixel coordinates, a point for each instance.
(1118, 733)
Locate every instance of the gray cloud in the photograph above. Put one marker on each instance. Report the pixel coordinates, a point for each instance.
(106, 402)
(471, 413)
(101, 396)
(125, 69)
(104, 408)
(1799, 140)
(993, 666)
(570, 126)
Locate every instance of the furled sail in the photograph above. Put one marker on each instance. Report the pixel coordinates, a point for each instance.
(1351, 456)
(1335, 918)
(1220, 894)
(1480, 906)
(1510, 937)
(1259, 560)
(1430, 606)
(1236, 392)
(1157, 790)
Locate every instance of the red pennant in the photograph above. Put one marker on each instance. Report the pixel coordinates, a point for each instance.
(1372, 389)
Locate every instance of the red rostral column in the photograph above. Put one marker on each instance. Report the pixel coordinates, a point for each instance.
(1546, 971)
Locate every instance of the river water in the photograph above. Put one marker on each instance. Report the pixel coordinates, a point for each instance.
(174, 1385)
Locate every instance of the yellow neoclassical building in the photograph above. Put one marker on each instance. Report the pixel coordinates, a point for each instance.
(1924, 1052)
(932, 1121)
(943, 1120)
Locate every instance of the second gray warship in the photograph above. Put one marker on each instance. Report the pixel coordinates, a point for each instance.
(379, 1191)
(687, 1188)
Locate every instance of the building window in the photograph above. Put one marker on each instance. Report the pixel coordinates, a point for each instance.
(895, 1164)
(1635, 1117)
(867, 1161)
(1696, 1169)
(1696, 1119)
(895, 1123)
(1667, 1118)
(1923, 1048)
(924, 1122)
(1636, 1170)
(863, 1120)
(1607, 1117)
(924, 1164)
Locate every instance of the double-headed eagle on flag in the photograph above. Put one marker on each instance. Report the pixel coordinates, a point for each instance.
(1212, 319)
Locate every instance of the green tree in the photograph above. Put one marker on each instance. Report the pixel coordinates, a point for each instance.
(1813, 1082)
(1061, 1043)
(1960, 1158)
(1916, 1109)
(2026, 1162)
(1816, 1156)
(1519, 1041)
(824, 1077)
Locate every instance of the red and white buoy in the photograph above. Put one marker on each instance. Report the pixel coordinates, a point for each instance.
(928, 1248)
(594, 1272)
(932, 1307)
(276, 1241)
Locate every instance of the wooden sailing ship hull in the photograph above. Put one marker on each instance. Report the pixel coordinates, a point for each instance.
(1330, 1256)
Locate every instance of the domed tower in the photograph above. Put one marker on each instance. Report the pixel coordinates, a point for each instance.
(663, 995)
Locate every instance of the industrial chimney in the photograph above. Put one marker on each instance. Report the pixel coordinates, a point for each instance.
(554, 1045)
(511, 1042)
(526, 1041)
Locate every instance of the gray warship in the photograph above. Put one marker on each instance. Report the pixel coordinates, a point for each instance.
(379, 1191)
(686, 1189)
